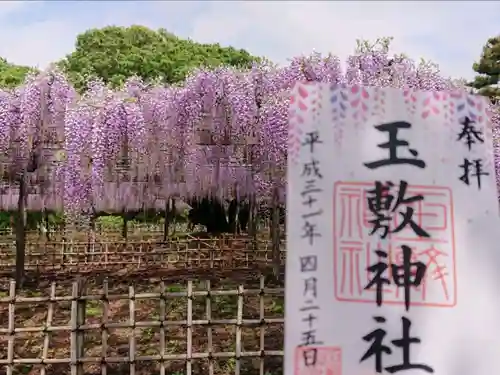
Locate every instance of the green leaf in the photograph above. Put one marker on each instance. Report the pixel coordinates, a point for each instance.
(117, 53)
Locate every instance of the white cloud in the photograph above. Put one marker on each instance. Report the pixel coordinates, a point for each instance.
(437, 31)
(7, 7)
(52, 42)
(431, 30)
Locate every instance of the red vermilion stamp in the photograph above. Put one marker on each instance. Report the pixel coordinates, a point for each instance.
(354, 247)
(318, 360)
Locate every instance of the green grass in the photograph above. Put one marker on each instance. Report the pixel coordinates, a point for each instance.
(93, 309)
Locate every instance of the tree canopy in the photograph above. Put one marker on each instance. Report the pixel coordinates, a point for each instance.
(116, 53)
(488, 69)
(12, 75)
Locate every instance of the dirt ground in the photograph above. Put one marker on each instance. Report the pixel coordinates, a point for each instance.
(146, 279)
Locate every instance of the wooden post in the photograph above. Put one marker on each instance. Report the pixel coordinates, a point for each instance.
(21, 231)
(42, 168)
(166, 223)
(253, 228)
(275, 232)
(251, 142)
(236, 228)
(125, 226)
(34, 147)
(125, 169)
(275, 224)
(173, 212)
(80, 321)
(92, 233)
(46, 223)
(177, 172)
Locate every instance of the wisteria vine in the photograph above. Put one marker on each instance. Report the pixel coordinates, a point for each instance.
(150, 132)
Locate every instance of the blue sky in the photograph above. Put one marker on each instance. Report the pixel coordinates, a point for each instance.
(36, 33)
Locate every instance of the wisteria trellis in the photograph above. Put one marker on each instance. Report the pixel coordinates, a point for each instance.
(152, 129)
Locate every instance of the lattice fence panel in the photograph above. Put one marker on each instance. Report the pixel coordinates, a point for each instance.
(185, 253)
(195, 328)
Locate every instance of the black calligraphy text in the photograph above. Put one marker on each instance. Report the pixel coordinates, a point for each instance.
(383, 203)
(472, 169)
(469, 134)
(393, 144)
(403, 275)
(378, 349)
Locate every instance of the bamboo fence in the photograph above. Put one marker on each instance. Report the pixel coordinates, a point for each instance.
(79, 327)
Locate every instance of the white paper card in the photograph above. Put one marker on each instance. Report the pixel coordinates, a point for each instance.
(377, 176)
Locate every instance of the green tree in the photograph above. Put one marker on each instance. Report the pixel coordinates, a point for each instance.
(488, 69)
(12, 75)
(116, 53)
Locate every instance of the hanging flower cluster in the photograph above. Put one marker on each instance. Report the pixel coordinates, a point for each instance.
(132, 148)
